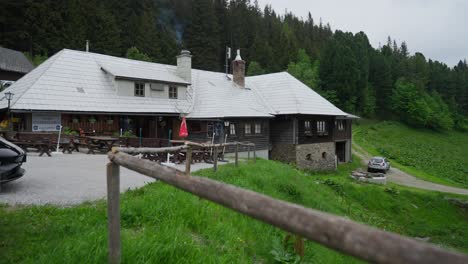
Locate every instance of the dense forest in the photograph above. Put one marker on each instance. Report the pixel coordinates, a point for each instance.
(385, 82)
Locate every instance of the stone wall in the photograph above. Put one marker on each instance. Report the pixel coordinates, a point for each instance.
(283, 152)
(317, 156)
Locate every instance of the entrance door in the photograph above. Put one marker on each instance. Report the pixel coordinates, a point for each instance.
(175, 129)
(340, 150)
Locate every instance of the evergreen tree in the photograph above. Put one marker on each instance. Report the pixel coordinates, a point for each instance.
(202, 36)
(381, 80)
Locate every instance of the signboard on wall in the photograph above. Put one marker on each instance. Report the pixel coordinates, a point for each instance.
(46, 122)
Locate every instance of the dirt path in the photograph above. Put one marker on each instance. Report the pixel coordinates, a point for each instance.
(399, 177)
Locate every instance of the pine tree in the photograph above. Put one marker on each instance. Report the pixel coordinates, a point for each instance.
(381, 80)
(202, 36)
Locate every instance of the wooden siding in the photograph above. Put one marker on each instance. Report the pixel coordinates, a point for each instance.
(314, 136)
(282, 131)
(346, 132)
(261, 141)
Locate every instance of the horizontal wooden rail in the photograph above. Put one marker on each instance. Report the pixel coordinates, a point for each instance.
(209, 145)
(335, 232)
(131, 150)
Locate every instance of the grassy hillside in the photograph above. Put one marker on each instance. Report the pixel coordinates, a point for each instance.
(441, 157)
(161, 224)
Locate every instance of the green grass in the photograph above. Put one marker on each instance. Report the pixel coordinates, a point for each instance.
(440, 157)
(161, 224)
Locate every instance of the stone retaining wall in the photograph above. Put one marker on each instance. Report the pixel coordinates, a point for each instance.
(317, 156)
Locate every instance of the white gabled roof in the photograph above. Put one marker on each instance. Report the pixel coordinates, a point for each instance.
(216, 95)
(76, 81)
(56, 85)
(287, 95)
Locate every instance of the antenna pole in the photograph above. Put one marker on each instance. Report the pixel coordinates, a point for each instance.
(228, 56)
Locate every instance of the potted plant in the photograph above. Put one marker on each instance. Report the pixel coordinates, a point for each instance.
(92, 119)
(110, 121)
(75, 120)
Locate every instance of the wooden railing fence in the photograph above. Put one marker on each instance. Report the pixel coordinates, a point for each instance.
(364, 242)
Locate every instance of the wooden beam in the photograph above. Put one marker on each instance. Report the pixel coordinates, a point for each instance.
(215, 159)
(254, 154)
(236, 157)
(131, 150)
(361, 241)
(113, 211)
(188, 161)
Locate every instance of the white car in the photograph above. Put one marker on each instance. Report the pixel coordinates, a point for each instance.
(378, 164)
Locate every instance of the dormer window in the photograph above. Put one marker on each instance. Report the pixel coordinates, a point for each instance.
(172, 91)
(140, 89)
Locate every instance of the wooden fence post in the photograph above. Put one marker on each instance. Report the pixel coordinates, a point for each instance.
(236, 157)
(215, 159)
(254, 153)
(113, 211)
(188, 161)
(248, 152)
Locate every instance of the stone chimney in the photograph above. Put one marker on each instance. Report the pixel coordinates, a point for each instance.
(238, 70)
(184, 66)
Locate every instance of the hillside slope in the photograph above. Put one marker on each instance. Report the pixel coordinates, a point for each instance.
(440, 157)
(161, 224)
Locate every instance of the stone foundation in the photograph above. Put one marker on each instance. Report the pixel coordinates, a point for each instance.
(317, 156)
(284, 152)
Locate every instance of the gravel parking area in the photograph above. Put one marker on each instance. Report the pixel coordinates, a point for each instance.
(69, 179)
(65, 180)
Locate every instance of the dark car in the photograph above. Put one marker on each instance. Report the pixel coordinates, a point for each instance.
(11, 159)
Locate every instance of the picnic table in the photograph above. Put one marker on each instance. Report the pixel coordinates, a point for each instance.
(102, 143)
(42, 147)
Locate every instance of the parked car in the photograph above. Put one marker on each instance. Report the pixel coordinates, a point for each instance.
(11, 159)
(378, 164)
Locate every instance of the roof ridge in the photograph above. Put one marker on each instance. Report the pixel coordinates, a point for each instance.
(38, 78)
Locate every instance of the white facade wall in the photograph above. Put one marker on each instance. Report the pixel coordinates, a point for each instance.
(127, 88)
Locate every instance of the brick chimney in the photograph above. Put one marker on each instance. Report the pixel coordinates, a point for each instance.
(184, 65)
(238, 70)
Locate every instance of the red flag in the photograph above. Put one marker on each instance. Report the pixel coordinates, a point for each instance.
(183, 133)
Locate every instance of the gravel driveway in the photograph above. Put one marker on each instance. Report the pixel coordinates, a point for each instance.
(65, 180)
(70, 179)
(400, 177)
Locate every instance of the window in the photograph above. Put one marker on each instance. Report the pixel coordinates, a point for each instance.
(140, 89)
(232, 129)
(307, 128)
(339, 125)
(258, 128)
(322, 128)
(173, 92)
(247, 129)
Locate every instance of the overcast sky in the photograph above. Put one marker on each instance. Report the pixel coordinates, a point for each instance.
(437, 28)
